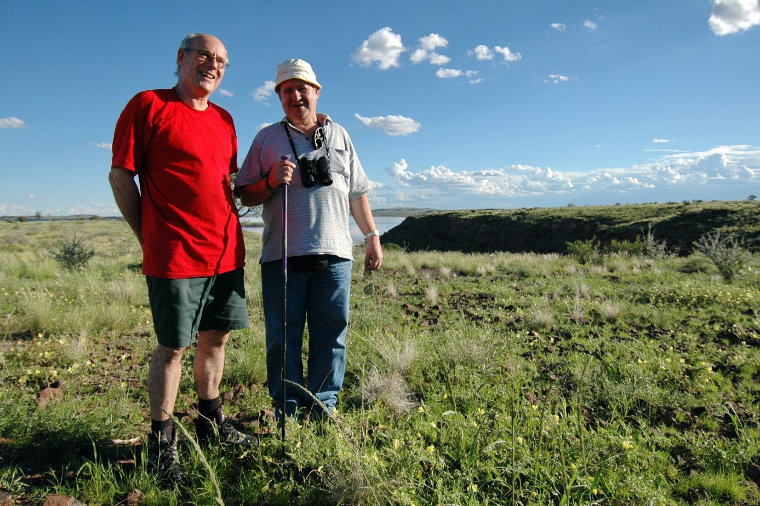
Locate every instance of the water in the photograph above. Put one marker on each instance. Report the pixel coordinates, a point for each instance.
(383, 224)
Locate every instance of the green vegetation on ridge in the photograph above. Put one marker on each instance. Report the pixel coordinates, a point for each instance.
(548, 230)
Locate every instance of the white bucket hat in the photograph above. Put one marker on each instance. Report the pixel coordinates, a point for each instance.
(295, 69)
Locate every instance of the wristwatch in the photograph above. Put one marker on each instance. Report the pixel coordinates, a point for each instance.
(371, 233)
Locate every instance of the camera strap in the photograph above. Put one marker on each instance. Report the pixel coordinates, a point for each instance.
(292, 145)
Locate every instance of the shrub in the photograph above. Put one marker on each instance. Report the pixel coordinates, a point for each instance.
(627, 247)
(653, 248)
(583, 251)
(72, 253)
(726, 251)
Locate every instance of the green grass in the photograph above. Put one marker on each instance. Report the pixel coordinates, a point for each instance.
(472, 379)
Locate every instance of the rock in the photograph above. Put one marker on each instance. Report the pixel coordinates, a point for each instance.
(53, 392)
(135, 497)
(61, 500)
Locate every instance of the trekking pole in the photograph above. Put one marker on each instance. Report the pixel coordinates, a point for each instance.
(284, 384)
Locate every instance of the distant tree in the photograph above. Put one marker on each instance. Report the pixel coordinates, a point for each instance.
(752, 197)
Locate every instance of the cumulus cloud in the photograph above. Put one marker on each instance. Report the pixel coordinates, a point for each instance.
(426, 50)
(448, 73)
(11, 122)
(718, 166)
(264, 92)
(660, 141)
(483, 52)
(225, 93)
(590, 24)
(731, 16)
(391, 124)
(104, 145)
(382, 47)
(560, 27)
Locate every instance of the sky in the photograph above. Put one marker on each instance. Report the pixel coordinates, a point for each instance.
(450, 105)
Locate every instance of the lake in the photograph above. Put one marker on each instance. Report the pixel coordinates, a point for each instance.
(383, 224)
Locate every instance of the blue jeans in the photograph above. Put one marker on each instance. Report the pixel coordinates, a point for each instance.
(322, 300)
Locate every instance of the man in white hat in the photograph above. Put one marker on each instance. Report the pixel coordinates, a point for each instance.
(329, 184)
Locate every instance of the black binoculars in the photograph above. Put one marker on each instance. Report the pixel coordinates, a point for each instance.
(315, 170)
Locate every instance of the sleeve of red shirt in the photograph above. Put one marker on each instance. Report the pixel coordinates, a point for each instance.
(132, 134)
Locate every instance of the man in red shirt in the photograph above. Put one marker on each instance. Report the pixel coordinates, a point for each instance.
(183, 148)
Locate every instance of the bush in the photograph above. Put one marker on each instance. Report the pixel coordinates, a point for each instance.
(653, 248)
(584, 251)
(72, 253)
(726, 251)
(627, 247)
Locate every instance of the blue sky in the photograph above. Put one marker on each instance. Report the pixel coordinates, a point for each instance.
(451, 105)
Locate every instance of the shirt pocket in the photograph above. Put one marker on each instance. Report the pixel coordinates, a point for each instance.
(340, 164)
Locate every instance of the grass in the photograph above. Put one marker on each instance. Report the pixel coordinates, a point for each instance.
(472, 379)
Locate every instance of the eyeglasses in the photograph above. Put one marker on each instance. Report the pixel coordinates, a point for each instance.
(204, 56)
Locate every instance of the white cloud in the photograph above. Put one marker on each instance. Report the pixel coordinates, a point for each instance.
(11, 122)
(731, 16)
(264, 92)
(448, 73)
(560, 27)
(225, 93)
(483, 52)
(718, 166)
(391, 124)
(590, 24)
(104, 145)
(426, 50)
(508, 54)
(382, 47)
(556, 78)
(660, 141)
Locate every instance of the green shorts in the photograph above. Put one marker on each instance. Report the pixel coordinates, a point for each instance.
(183, 307)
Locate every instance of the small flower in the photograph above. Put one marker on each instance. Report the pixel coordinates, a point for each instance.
(627, 445)
(534, 407)
(430, 449)
(472, 488)
(519, 440)
(396, 444)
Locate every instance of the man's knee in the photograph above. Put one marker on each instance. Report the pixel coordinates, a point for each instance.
(167, 356)
(213, 338)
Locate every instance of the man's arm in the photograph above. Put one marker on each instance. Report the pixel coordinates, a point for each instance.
(360, 210)
(127, 197)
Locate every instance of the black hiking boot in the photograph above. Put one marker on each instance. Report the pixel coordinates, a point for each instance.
(164, 460)
(223, 434)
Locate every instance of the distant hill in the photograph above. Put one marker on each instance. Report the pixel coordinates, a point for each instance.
(548, 230)
(401, 211)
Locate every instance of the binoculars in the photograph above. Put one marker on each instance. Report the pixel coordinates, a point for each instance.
(315, 170)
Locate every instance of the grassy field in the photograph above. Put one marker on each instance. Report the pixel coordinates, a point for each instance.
(472, 379)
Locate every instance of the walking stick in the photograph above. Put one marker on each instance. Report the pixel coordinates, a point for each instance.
(284, 384)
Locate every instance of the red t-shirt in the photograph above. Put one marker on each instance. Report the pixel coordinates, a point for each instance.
(183, 159)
